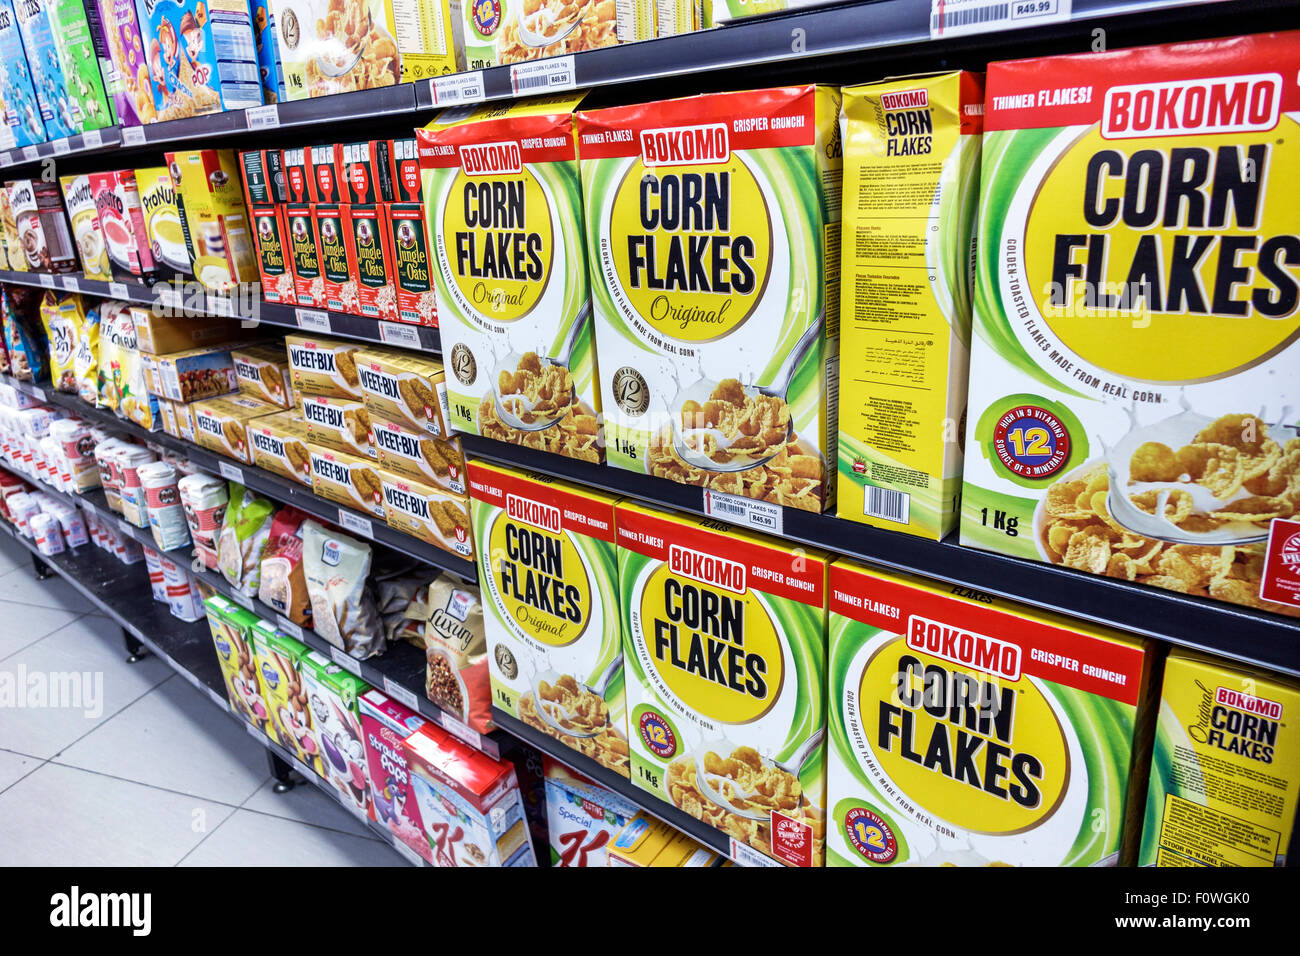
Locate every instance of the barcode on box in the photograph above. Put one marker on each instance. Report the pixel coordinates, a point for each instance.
(887, 504)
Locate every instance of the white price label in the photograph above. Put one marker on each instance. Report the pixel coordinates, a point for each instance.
(400, 694)
(127, 528)
(220, 305)
(230, 472)
(313, 320)
(746, 855)
(30, 153)
(133, 136)
(411, 856)
(456, 89)
(9, 157)
(263, 117)
(394, 333)
(70, 283)
(288, 626)
(749, 512)
(242, 599)
(955, 18)
(462, 730)
(118, 290)
(61, 147)
(92, 138)
(345, 661)
(543, 76)
(45, 279)
(355, 523)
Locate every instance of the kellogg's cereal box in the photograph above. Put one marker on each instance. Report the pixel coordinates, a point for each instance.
(34, 22)
(385, 724)
(122, 62)
(582, 816)
(724, 642)
(269, 67)
(504, 210)
(971, 731)
(23, 125)
(712, 228)
(1134, 396)
(549, 583)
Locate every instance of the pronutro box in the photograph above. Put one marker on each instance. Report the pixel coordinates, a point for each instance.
(201, 56)
(724, 642)
(911, 181)
(1133, 387)
(712, 227)
(207, 182)
(971, 731)
(549, 582)
(336, 46)
(503, 203)
(164, 221)
(1225, 769)
(121, 217)
(79, 201)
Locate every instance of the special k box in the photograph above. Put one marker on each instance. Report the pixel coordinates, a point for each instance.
(1134, 399)
(724, 652)
(966, 730)
(549, 580)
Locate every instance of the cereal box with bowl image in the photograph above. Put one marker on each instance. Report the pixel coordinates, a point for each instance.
(531, 29)
(404, 387)
(336, 46)
(385, 725)
(582, 817)
(41, 225)
(323, 367)
(208, 186)
(164, 222)
(332, 696)
(22, 110)
(121, 217)
(712, 228)
(549, 587)
(503, 203)
(724, 645)
(966, 730)
(79, 201)
(1134, 388)
(201, 56)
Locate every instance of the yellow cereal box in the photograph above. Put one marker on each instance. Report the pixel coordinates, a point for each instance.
(221, 424)
(347, 480)
(404, 387)
(323, 366)
(1134, 395)
(428, 513)
(417, 454)
(713, 233)
(724, 643)
(279, 444)
(220, 234)
(911, 178)
(164, 220)
(1225, 772)
(550, 583)
(342, 424)
(263, 373)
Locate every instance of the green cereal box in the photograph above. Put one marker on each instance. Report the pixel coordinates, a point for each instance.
(724, 642)
(550, 588)
(85, 87)
(970, 731)
(712, 228)
(1134, 403)
(231, 627)
(279, 660)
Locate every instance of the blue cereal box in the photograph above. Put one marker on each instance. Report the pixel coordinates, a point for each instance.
(46, 70)
(268, 53)
(23, 125)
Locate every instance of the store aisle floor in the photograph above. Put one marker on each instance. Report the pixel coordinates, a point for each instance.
(143, 770)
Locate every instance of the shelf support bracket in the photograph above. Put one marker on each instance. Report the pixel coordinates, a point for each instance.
(281, 771)
(43, 571)
(134, 649)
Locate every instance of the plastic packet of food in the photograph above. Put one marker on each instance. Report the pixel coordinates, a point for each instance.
(62, 317)
(85, 358)
(455, 649)
(343, 609)
(244, 531)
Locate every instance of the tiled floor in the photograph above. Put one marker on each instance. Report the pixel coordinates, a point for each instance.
(146, 770)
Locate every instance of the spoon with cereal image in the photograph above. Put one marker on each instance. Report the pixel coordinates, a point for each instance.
(533, 39)
(746, 783)
(727, 426)
(532, 392)
(571, 707)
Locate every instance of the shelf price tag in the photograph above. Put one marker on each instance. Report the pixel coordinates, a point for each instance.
(400, 694)
(345, 661)
(230, 472)
(394, 333)
(118, 290)
(45, 279)
(349, 521)
(127, 528)
(61, 147)
(543, 76)
(954, 18)
(456, 89)
(313, 320)
(288, 626)
(749, 512)
(462, 730)
(242, 599)
(92, 139)
(70, 283)
(746, 855)
(133, 136)
(263, 117)
(30, 153)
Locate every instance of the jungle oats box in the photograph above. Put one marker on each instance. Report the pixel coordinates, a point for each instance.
(1134, 397)
(712, 226)
(274, 253)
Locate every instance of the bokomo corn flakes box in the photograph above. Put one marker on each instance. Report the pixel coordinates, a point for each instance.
(550, 587)
(724, 644)
(911, 175)
(712, 229)
(1225, 773)
(970, 731)
(1134, 385)
(503, 203)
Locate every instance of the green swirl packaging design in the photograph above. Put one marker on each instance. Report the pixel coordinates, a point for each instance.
(549, 585)
(971, 731)
(504, 215)
(712, 227)
(911, 175)
(724, 642)
(1134, 405)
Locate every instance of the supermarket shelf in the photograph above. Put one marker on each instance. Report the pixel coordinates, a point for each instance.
(120, 591)
(399, 334)
(1254, 637)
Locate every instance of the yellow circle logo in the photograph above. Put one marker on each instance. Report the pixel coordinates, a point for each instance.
(718, 652)
(540, 581)
(982, 753)
(499, 242)
(1169, 260)
(692, 246)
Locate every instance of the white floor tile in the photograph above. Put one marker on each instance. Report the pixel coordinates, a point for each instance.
(59, 816)
(88, 646)
(305, 803)
(22, 625)
(254, 839)
(22, 585)
(14, 766)
(174, 738)
(13, 554)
